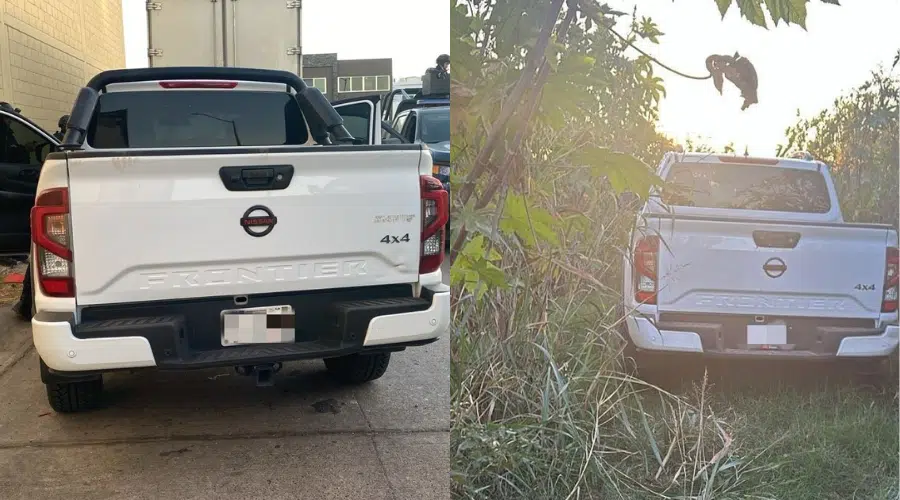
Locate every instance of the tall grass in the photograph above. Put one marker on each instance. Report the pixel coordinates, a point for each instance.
(543, 409)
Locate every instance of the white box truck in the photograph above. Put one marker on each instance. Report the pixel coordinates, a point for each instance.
(234, 33)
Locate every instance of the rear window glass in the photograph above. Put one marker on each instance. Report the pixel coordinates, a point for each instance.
(746, 187)
(434, 126)
(196, 118)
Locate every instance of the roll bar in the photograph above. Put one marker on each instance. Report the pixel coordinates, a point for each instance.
(321, 116)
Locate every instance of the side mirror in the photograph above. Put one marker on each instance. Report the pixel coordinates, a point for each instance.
(627, 199)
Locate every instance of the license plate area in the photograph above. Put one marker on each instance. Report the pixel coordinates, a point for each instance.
(258, 325)
(767, 336)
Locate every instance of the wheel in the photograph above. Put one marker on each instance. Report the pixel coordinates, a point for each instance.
(879, 373)
(358, 368)
(71, 397)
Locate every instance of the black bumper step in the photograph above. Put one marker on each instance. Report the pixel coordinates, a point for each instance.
(193, 339)
(354, 316)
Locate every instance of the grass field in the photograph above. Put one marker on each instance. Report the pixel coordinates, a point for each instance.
(827, 443)
(550, 415)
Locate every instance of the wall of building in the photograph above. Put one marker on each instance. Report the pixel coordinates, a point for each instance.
(343, 76)
(321, 66)
(375, 75)
(49, 49)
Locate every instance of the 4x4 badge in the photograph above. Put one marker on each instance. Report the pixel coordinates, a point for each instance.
(256, 217)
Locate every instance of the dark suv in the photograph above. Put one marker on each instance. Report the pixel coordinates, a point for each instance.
(429, 126)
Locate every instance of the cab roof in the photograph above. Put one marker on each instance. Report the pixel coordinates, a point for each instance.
(720, 158)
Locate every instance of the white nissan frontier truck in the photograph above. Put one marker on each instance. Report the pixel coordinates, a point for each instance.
(201, 217)
(750, 257)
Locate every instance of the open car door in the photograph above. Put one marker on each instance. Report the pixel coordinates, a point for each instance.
(23, 147)
(362, 117)
(394, 98)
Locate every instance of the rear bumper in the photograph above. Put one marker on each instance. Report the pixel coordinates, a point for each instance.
(171, 341)
(862, 343)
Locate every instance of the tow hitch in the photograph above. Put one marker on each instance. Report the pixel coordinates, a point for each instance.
(263, 373)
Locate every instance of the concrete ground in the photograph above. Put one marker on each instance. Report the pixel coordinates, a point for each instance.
(213, 434)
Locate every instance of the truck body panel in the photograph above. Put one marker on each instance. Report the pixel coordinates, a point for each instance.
(225, 33)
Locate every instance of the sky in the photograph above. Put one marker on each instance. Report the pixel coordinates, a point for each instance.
(797, 69)
(413, 34)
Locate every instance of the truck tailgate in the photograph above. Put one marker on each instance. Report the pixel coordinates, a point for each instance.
(163, 225)
(785, 269)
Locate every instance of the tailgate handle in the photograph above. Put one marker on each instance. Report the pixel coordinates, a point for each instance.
(776, 239)
(257, 176)
(246, 178)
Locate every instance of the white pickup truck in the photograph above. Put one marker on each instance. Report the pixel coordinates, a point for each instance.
(205, 217)
(740, 256)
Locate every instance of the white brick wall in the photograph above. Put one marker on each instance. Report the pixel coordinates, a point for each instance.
(52, 48)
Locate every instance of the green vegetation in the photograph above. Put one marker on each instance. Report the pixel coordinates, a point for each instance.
(550, 121)
(857, 137)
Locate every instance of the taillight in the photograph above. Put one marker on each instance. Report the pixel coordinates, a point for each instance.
(50, 232)
(646, 252)
(891, 280)
(197, 84)
(435, 214)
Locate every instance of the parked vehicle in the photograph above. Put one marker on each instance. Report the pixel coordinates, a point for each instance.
(361, 119)
(234, 34)
(429, 126)
(395, 97)
(401, 101)
(203, 217)
(750, 257)
(403, 89)
(24, 147)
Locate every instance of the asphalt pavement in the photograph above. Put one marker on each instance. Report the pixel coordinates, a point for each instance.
(213, 434)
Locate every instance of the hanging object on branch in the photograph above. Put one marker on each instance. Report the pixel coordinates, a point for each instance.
(739, 71)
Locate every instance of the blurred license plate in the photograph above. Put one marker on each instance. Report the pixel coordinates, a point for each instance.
(768, 335)
(258, 325)
(441, 170)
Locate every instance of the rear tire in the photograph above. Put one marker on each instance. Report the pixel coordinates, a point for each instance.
(73, 397)
(879, 373)
(24, 308)
(358, 368)
(639, 364)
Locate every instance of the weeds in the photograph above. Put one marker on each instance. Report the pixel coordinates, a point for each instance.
(548, 413)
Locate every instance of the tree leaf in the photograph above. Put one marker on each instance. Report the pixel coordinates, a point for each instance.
(723, 6)
(753, 12)
(529, 223)
(796, 12)
(623, 171)
(789, 11)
